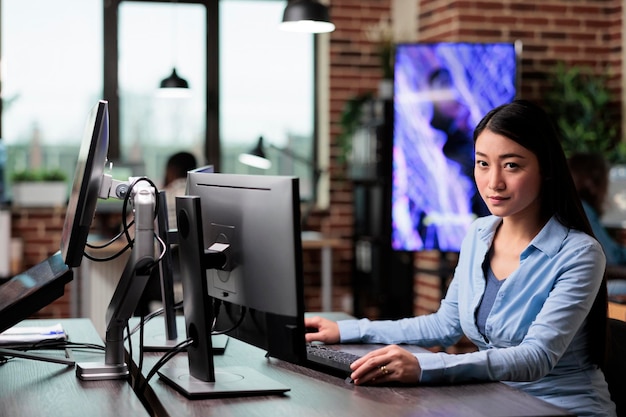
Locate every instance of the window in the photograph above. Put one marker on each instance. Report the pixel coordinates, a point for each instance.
(51, 77)
(267, 85)
(153, 39)
(52, 74)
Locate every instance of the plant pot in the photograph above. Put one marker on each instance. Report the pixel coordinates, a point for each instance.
(39, 194)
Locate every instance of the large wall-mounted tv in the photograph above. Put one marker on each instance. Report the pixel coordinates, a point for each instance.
(441, 91)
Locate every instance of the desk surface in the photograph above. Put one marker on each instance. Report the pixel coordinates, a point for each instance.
(35, 388)
(316, 394)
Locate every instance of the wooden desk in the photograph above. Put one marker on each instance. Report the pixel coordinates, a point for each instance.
(317, 394)
(38, 389)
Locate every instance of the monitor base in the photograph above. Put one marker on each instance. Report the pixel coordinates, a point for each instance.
(96, 371)
(232, 381)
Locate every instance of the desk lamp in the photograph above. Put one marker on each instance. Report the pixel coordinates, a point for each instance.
(257, 158)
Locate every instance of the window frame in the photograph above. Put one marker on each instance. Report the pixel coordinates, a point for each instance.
(212, 147)
(111, 78)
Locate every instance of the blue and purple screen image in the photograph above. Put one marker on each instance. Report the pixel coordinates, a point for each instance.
(441, 91)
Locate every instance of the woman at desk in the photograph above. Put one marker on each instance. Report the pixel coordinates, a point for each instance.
(529, 288)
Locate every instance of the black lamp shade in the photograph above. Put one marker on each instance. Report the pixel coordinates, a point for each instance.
(306, 16)
(256, 157)
(174, 81)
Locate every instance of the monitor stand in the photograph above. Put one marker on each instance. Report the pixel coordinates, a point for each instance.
(234, 381)
(127, 292)
(200, 379)
(169, 337)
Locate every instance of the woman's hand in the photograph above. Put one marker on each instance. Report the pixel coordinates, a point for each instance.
(327, 330)
(388, 364)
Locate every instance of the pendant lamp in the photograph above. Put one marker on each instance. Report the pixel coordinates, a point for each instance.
(173, 85)
(174, 81)
(306, 16)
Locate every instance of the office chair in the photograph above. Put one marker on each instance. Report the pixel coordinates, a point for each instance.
(615, 369)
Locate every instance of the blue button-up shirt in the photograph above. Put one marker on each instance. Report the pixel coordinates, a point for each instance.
(534, 335)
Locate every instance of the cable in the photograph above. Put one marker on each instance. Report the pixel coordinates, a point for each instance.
(130, 342)
(109, 258)
(242, 314)
(110, 242)
(163, 360)
(50, 344)
(163, 248)
(152, 315)
(127, 199)
(146, 319)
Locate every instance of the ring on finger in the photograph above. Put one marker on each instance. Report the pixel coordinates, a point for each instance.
(384, 370)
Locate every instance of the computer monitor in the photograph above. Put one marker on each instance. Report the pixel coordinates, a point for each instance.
(28, 292)
(88, 176)
(241, 234)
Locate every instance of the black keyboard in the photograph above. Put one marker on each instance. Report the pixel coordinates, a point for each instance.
(331, 360)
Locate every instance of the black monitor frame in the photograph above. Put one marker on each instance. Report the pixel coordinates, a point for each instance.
(265, 324)
(88, 177)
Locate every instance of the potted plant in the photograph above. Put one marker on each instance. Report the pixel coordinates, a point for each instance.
(350, 120)
(579, 101)
(39, 188)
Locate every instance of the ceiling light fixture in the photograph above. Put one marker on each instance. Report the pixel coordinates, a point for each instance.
(174, 86)
(306, 16)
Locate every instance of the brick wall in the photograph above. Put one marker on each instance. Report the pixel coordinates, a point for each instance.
(575, 31)
(354, 69)
(39, 230)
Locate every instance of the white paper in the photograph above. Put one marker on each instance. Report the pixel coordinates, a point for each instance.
(22, 334)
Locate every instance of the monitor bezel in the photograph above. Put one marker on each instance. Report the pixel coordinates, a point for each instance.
(88, 177)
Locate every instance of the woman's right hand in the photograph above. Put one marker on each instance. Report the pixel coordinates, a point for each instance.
(320, 329)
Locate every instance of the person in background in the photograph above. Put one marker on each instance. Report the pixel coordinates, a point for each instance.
(528, 290)
(590, 171)
(175, 181)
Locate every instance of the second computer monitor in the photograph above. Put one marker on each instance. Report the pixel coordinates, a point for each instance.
(257, 219)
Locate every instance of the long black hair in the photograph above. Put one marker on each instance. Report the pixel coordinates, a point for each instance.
(528, 124)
